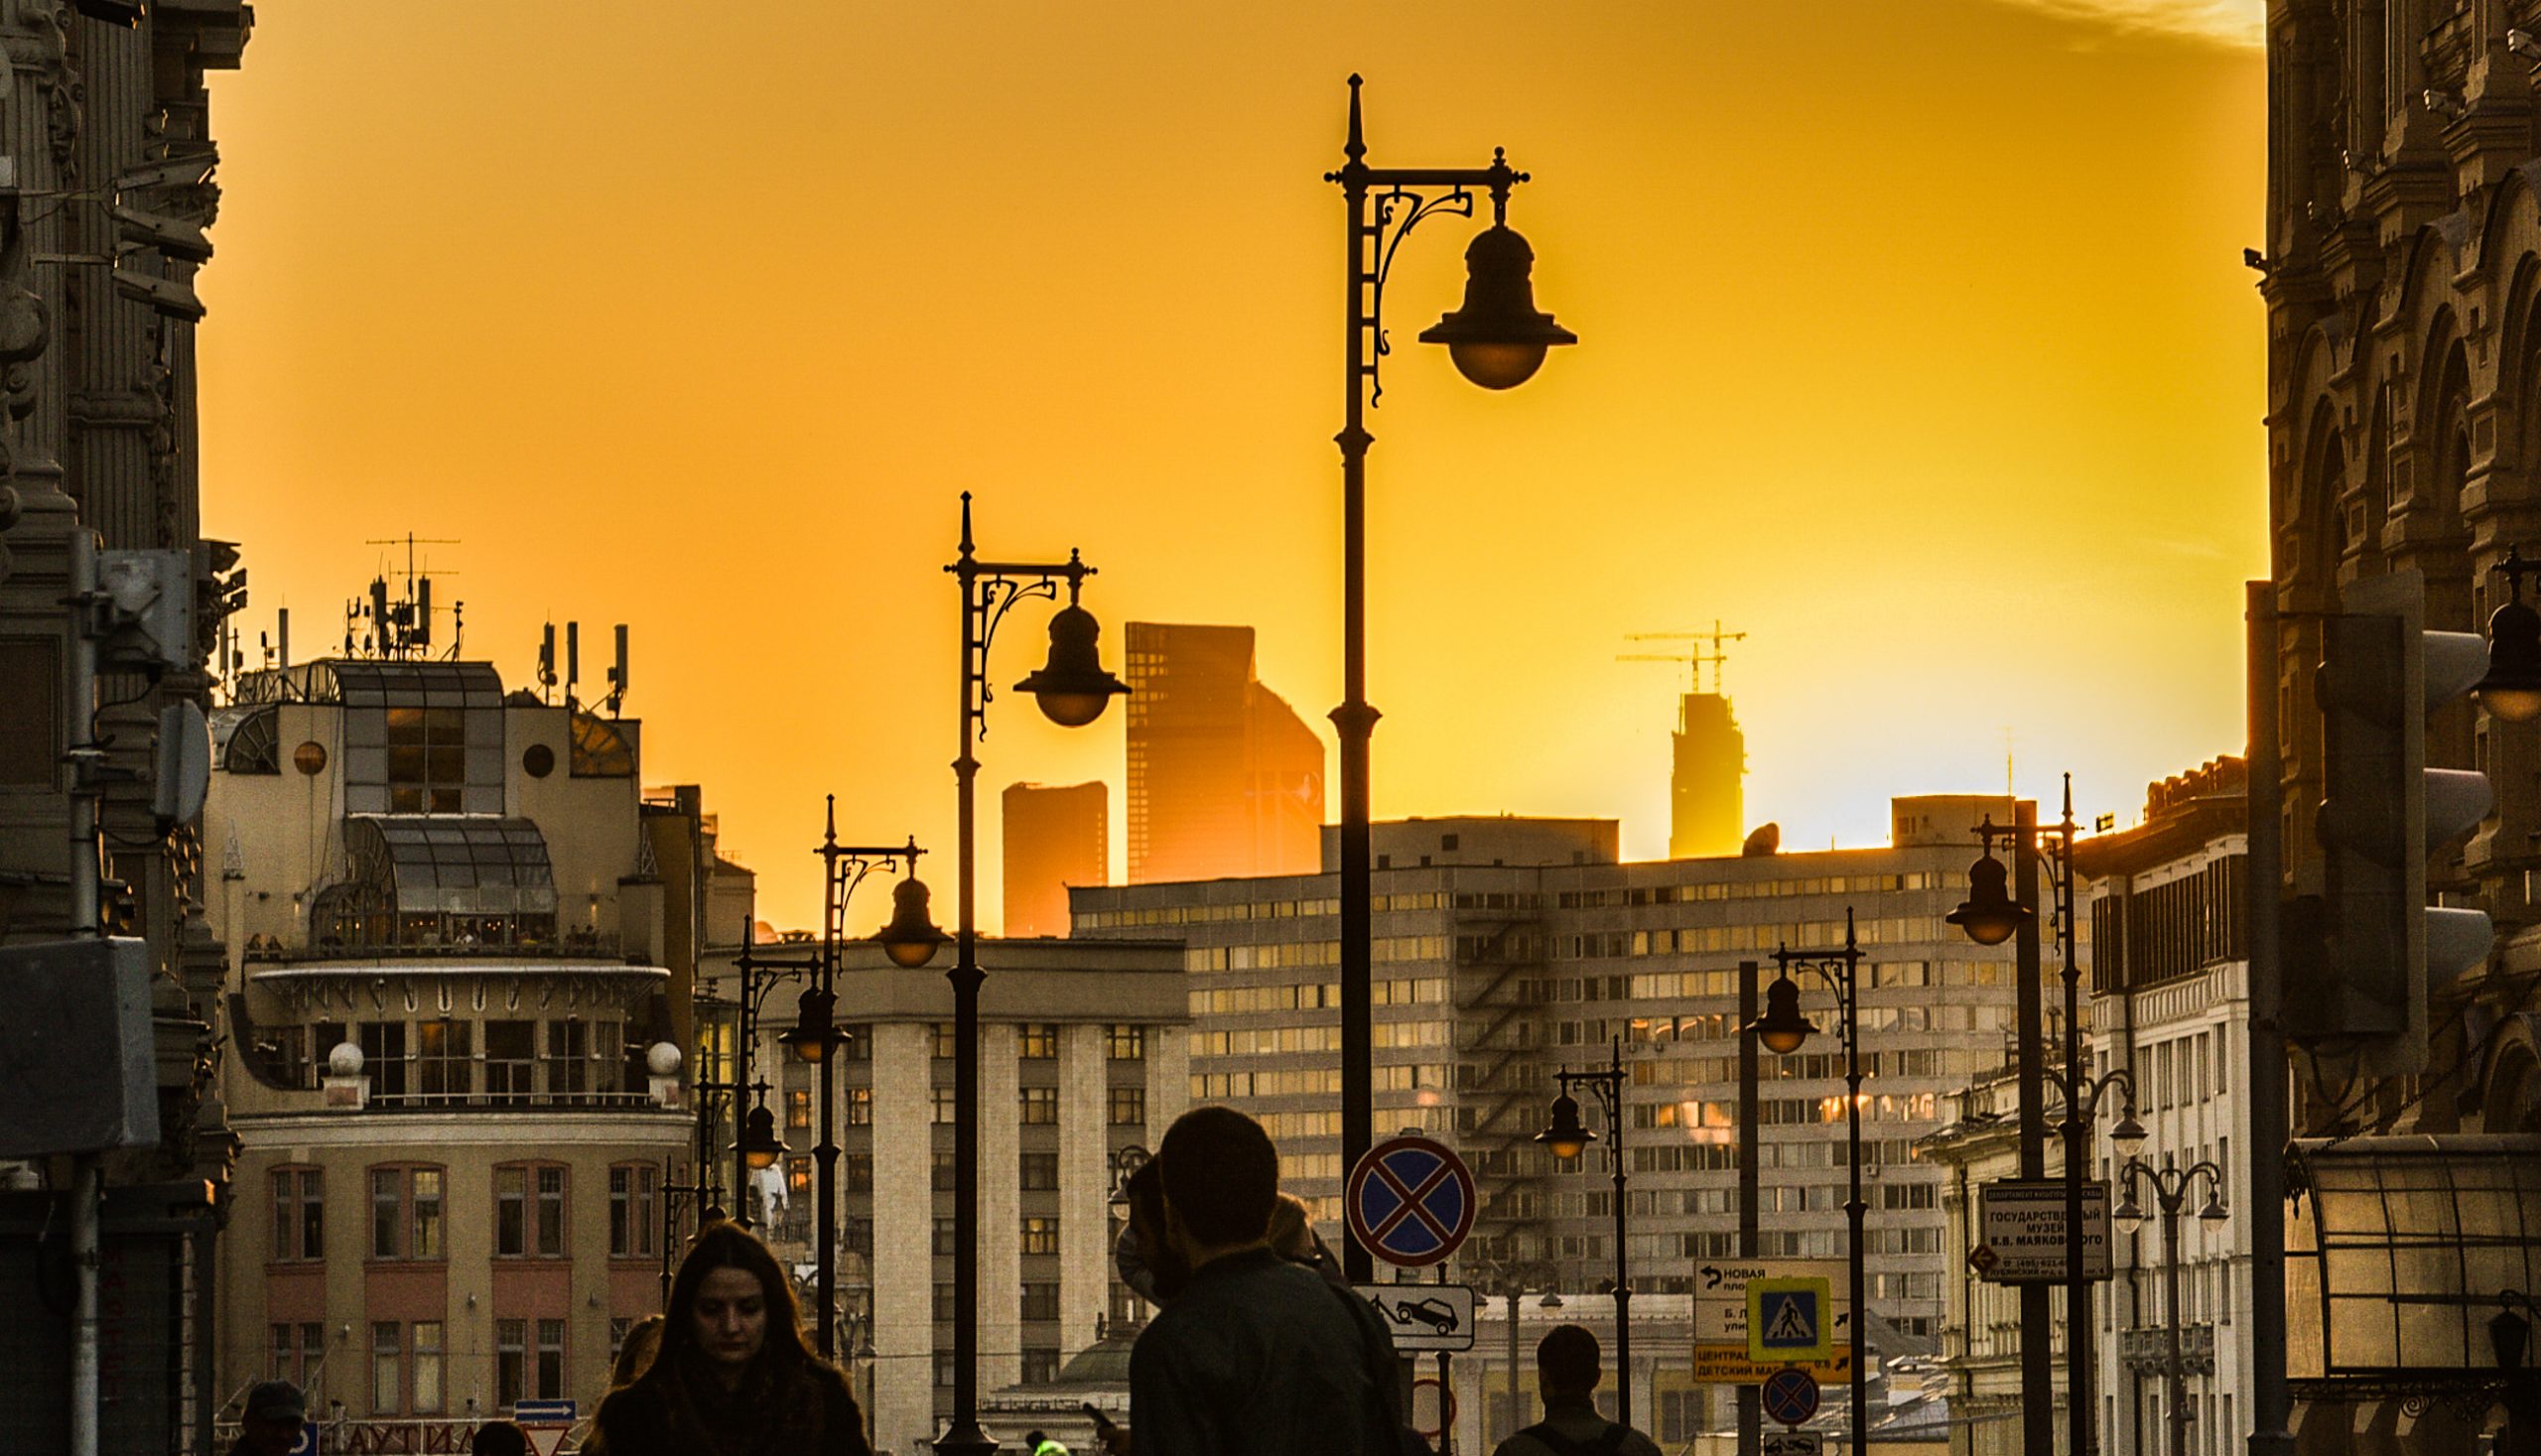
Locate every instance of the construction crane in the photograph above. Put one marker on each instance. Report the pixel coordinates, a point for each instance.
(1694, 658)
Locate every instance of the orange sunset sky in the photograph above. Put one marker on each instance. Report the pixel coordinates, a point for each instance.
(1916, 344)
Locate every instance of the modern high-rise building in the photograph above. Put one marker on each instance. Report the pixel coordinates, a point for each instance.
(1225, 779)
(1706, 789)
(1055, 837)
(1508, 949)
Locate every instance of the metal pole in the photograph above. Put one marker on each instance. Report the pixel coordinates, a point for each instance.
(1517, 1416)
(2263, 1081)
(2078, 1148)
(825, 1154)
(2038, 1355)
(964, 1434)
(2171, 1312)
(744, 1031)
(1854, 1208)
(1622, 1285)
(1354, 721)
(87, 1189)
(1751, 1410)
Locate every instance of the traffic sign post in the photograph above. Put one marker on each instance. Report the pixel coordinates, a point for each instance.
(1731, 1364)
(1789, 1319)
(547, 1424)
(1790, 1396)
(1792, 1443)
(1720, 1292)
(2020, 1235)
(1433, 1407)
(1411, 1202)
(1424, 1316)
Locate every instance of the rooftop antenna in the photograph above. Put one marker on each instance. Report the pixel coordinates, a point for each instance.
(547, 662)
(617, 674)
(2007, 762)
(404, 627)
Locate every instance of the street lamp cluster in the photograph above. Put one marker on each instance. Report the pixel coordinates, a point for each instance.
(1566, 1138)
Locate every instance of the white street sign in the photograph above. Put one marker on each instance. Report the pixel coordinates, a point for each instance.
(2021, 1226)
(1720, 1292)
(1792, 1443)
(1424, 1316)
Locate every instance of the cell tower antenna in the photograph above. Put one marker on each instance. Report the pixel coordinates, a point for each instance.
(1696, 657)
(405, 628)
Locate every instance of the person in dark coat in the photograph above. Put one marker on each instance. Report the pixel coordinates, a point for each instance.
(270, 1425)
(733, 1376)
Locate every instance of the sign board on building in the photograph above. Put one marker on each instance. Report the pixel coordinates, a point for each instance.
(1720, 1292)
(1731, 1364)
(1424, 1316)
(2020, 1230)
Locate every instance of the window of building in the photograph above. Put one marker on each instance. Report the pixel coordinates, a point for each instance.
(1127, 1107)
(859, 1172)
(634, 1211)
(944, 1304)
(942, 1176)
(1036, 1042)
(1041, 1235)
(426, 1355)
(510, 1060)
(857, 1044)
(569, 1057)
(798, 1108)
(383, 1057)
(427, 759)
(387, 1212)
(940, 1111)
(512, 1361)
(300, 1214)
(551, 1360)
(1040, 1301)
(529, 1210)
(947, 1239)
(943, 1369)
(297, 1352)
(944, 1041)
(443, 1070)
(1125, 1043)
(551, 1211)
(1040, 1364)
(860, 1106)
(387, 1366)
(855, 1236)
(1040, 1173)
(1040, 1106)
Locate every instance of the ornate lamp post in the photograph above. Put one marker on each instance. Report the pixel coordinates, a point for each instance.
(1072, 689)
(1991, 916)
(2170, 1187)
(1783, 1030)
(1566, 1138)
(1498, 341)
(909, 941)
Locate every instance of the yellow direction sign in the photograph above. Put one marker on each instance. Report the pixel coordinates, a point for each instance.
(1790, 1320)
(1730, 1365)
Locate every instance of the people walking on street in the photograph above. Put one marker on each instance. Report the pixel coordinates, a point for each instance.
(733, 1376)
(1038, 1444)
(271, 1424)
(1567, 1374)
(1258, 1356)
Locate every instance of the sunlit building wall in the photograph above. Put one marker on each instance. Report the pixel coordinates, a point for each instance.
(1506, 949)
(1054, 838)
(1223, 778)
(1707, 791)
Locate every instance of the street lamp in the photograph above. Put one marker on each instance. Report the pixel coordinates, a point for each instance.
(1566, 1138)
(1497, 339)
(2511, 692)
(1072, 688)
(1991, 915)
(2170, 1187)
(909, 940)
(758, 1146)
(1783, 1030)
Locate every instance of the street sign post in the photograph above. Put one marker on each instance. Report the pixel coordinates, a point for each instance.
(2020, 1232)
(1433, 1407)
(1792, 1443)
(1790, 1396)
(1720, 1292)
(1789, 1319)
(547, 1424)
(1410, 1201)
(1424, 1316)
(1731, 1364)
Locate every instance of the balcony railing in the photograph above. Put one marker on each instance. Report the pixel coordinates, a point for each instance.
(509, 1102)
(577, 947)
(2148, 1349)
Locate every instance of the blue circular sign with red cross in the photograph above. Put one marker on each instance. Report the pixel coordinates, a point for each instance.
(1410, 1201)
(1791, 1396)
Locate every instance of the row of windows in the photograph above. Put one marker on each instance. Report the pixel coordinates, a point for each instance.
(1313, 995)
(1035, 1041)
(1036, 1107)
(1290, 955)
(1800, 1067)
(1298, 1082)
(1772, 1112)
(408, 1216)
(1748, 890)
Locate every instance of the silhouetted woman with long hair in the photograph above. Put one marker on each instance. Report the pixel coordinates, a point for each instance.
(734, 1376)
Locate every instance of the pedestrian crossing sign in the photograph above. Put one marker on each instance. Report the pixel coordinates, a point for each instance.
(1787, 1319)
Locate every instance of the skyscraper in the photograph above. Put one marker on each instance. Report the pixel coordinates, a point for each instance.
(1706, 791)
(1054, 838)
(1225, 779)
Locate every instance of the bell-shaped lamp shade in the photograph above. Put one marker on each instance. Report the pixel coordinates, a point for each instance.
(2509, 1334)
(911, 937)
(1498, 338)
(760, 1147)
(1783, 1029)
(2512, 689)
(2129, 1214)
(1566, 1136)
(2213, 1212)
(2128, 1134)
(1989, 914)
(814, 1034)
(1072, 687)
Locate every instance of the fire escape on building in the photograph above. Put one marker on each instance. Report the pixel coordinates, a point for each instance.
(1499, 1072)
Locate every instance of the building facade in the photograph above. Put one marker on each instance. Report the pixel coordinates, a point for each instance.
(460, 945)
(1506, 949)
(1054, 838)
(1225, 779)
(1083, 1063)
(106, 161)
(1706, 786)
